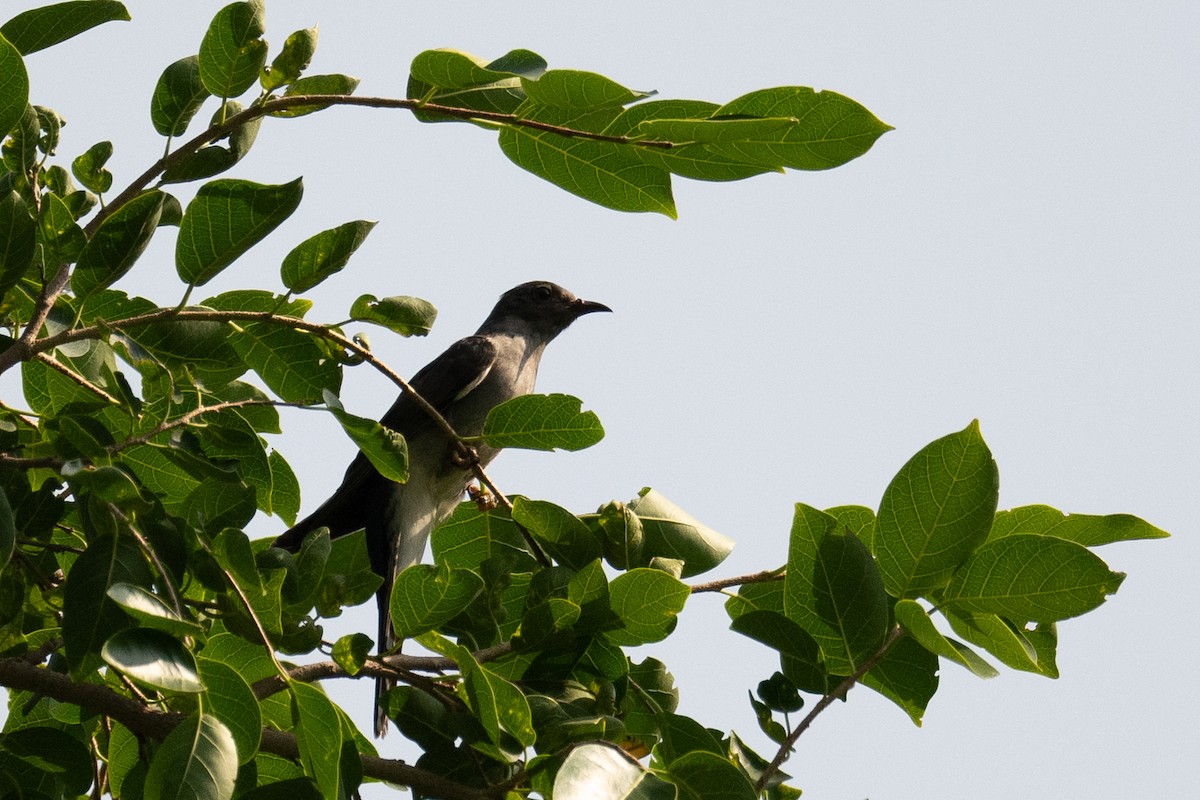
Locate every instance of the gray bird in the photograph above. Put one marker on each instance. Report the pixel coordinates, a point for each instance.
(464, 383)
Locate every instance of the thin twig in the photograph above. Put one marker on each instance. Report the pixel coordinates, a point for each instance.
(76, 377)
(766, 576)
(839, 693)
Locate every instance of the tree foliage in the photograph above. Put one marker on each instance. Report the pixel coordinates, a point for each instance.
(144, 636)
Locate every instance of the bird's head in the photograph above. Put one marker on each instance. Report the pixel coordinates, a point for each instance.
(539, 307)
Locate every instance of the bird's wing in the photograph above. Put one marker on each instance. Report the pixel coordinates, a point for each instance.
(447, 378)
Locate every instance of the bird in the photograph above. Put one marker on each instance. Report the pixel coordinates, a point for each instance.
(473, 376)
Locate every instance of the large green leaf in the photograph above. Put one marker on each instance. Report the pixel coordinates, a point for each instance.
(824, 130)
(39, 28)
(907, 675)
(833, 590)
(1089, 530)
(230, 699)
(425, 596)
(232, 52)
(575, 89)
(225, 219)
(8, 531)
(323, 254)
(453, 69)
(709, 776)
(117, 244)
(542, 422)
(605, 173)
(601, 771)
(568, 539)
(498, 704)
(197, 761)
(407, 316)
(18, 237)
(153, 658)
(319, 736)
(1028, 577)
(1008, 643)
(799, 653)
(294, 364)
(61, 238)
(89, 615)
(384, 448)
(915, 619)
(672, 532)
(935, 512)
(471, 536)
(151, 611)
(294, 58)
(53, 752)
(14, 83)
(177, 97)
(88, 168)
(647, 603)
(316, 85)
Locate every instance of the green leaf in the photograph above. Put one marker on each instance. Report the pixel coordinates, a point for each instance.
(694, 160)
(316, 85)
(501, 93)
(605, 173)
(225, 219)
(39, 28)
(800, 653)
(384, 448)
(1029, 577)
(907, 675)
(319, 736)
(319, 256)
(574, 89)
(623, 536)
(935, 512)
(601, 771)
(825, 129)
(233, 52)
(53, 752)
(197, 761)
(470, 537)
(709, 776)
(566, 538)
(20, 150)
(297, 52)
(14, 80)
(177, 97)
(999, 637)
(18, 237)
(453, 69)
(916, 621)
(647, 602)
(150, 610)
(350, 652)
(89, 169)
(89, 615)
(8, 531)
(1086, 529)
(833, 590)
(498, 704)
(62, 240)
(230, 699)
(407, 316)
(671, 532)
(348, 579)
(117, 244)
(542, 422)
(283, 499)
(426, 596)
(153, 658)
(294, 364)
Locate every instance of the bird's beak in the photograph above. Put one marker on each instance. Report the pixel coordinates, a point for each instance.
(581, 307)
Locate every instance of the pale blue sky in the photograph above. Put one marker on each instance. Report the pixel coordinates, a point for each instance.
(1023, 248)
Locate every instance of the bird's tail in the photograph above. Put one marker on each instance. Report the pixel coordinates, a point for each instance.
(387, 640)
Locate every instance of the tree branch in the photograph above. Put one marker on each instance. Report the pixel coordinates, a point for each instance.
(20, 674)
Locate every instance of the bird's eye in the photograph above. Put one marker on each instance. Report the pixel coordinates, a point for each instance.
(543, 293)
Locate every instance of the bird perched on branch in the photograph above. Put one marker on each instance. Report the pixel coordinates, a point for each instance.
(472, 377)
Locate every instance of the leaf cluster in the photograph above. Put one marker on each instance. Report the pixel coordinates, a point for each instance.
(143, 635)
